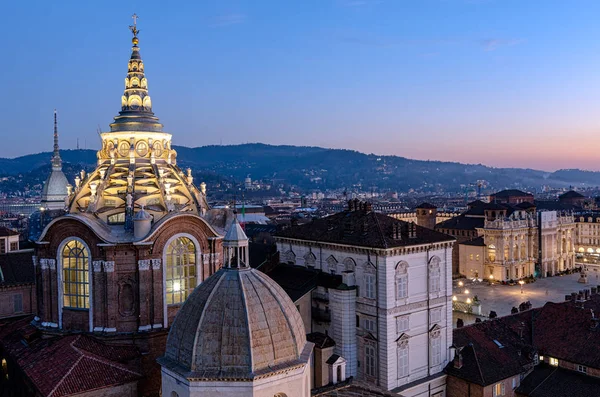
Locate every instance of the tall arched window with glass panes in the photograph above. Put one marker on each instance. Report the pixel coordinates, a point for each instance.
(75, 275)
(181, 277)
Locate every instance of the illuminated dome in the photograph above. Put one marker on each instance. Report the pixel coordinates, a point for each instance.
(136, 166)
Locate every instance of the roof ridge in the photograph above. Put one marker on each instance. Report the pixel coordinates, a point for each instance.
(478, 366)
(68, 372)
(87, 354)
(381, 234)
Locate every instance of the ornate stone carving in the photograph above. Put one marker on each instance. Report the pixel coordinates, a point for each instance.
(144, 264)
(109, 266)
(44, 263)
(97, 266)
(155, 264)
(35, 260)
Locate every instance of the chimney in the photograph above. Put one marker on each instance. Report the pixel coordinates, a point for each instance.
(368, 207)
(458, 360)
(573, 297)
(567, 298)
(593, 291)
(586, 294)
(460, 323)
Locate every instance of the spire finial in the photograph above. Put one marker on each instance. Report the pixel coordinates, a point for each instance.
(134, 29)
(56, 161)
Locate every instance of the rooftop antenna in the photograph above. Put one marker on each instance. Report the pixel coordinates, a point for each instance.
(77, 143)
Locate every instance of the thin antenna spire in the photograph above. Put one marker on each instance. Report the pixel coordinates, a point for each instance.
(56, 160)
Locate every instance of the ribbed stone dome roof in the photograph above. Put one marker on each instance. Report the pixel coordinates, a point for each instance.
(236, 325)
(55, 188)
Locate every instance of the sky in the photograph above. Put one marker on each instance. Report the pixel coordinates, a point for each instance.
(506, 83)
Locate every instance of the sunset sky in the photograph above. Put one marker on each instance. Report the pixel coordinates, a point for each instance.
(498, 82)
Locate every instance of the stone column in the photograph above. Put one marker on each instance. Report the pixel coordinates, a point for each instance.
(145, 287)
(98, 302)
(157, 302)
(49, 299)
(111, 297)
(343, 325)
(54, 305)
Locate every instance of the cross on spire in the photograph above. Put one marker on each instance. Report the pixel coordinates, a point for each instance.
(133, 27)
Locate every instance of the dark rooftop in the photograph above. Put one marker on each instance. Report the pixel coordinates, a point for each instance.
(320, 340)
(427, 206)
(364, 228)
(571, 194)
(477, 241)
(17, 268)
(549, 381)
(510, 193)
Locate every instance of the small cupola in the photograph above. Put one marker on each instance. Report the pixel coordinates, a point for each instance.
(142, 223)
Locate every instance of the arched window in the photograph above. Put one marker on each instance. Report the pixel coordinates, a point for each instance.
(492, 252)
(523, 251)
(181, 270)
(401, 280)
(75, 275)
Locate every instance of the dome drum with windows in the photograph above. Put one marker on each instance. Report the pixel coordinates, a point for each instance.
(132, 241)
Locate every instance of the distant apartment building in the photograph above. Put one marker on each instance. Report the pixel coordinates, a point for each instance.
(17, 280)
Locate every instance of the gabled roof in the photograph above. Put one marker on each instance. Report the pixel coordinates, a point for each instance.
(570, 194)
(364, 229)
(5, 232)
(67, 365)
(510, 193)
(491, 351)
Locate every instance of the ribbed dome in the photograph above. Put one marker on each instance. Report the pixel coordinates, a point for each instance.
(55, 188)
(237, 324)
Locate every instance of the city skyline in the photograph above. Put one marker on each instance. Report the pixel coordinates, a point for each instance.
(495, 82)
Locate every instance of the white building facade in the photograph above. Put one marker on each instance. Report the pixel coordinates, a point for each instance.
(392, 317)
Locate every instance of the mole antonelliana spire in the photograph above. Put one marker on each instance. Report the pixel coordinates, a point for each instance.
(55, 187)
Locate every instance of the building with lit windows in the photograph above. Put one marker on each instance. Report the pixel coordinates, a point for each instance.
(131, 247)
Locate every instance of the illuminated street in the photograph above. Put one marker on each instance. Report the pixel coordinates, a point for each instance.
(502, 298)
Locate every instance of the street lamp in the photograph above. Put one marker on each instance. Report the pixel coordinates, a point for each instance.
(460, 284)
(466, 292)
(454, 298)
(469, 300)
(521, 282)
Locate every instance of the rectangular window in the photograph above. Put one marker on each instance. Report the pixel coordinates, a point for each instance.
(370, 286)
(370, 360)
(402, 324)
(498, 389)
(403, 362)
(471, 256)
(477, 257)
(436, 351)
(553, 361)
(582, 369)
(402, 284)
(18, 303)
(2, 245)
(435, 316)
(369, 324)
(14, 246)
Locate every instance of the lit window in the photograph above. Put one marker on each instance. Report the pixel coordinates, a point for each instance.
(181, 270)
(4, 368)
(116, 219)
(541, 358)
(553, 361)
(76, 277)
(403, 369)
(370, 286)
(370, 360)
(498, 389)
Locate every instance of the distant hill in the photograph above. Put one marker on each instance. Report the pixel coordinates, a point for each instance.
(318, 168)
